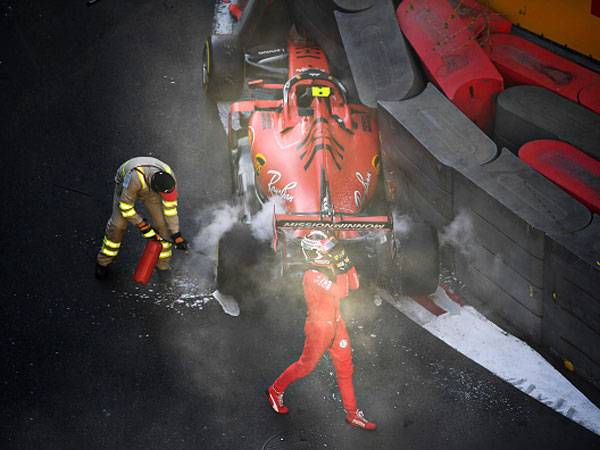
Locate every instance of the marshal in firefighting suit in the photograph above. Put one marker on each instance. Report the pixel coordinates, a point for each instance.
(328, 279)
(153, 183)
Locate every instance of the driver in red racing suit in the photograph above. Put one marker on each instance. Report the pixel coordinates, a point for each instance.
(328, 280)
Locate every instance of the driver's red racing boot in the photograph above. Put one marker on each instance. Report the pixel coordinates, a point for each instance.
(357, 419)
(276, 401)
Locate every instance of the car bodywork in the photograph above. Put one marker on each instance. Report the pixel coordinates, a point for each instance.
(297, 135)
(308, 145)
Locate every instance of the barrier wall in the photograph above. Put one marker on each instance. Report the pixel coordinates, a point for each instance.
(434, 139)
(512, 207)
(527, 252)
(571, 301)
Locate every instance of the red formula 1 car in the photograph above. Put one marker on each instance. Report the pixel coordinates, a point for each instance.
(300, 138)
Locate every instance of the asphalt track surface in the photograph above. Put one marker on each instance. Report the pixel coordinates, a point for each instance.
(111, 365)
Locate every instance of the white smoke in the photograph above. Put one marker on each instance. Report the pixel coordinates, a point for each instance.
(402, 224)
(262, 223)
(459, 233)
(224, 217)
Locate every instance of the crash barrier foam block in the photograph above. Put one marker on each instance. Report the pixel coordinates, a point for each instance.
(315, 19)
(528, 113)
(504, 215)
(520, 61)
(355, 5)
(423, 139)
(568, 167)
(498, 305)
(589, 97)
(452, 57)
(480, 20)
(509, 208)
(499, 257)
(571, 322)
(381, 62)
(529, 195)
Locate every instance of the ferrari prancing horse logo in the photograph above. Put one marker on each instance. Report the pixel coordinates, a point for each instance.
(259, 161)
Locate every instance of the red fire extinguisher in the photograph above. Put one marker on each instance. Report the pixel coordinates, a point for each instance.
(149, 258)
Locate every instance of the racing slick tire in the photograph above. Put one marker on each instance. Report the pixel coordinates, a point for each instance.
(416, 261)
(243, 262)
(222, 67)
(235, 252)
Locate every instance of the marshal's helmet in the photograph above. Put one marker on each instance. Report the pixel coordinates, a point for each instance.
(317, 247)
(164, 184)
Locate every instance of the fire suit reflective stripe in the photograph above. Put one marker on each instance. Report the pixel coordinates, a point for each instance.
(140, 172)
(128, 213)
(112, 244)
(109, 252)
(171, 204)
(170, 212)
(125, 206)
(165, 254)
(166, 245)
(149, 233)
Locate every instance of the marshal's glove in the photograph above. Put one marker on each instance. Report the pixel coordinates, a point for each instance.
(343, 266)
(179, 241)
(147, 231)
(341, 262)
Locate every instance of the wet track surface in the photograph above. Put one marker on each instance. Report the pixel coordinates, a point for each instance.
(113, 365)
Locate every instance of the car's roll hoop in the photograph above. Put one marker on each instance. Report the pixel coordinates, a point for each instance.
(313, 74)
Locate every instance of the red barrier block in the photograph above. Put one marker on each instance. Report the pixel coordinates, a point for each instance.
(568, 167)
(453, 59)
(523, 62)
(589, 97)
(480, 19)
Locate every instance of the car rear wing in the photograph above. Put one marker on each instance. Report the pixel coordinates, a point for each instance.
(337, 223)
(297, 222)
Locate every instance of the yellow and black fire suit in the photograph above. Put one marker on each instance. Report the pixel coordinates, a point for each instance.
(132, 183)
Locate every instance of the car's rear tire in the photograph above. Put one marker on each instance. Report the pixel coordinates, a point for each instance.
(243, 264)
(235, 253)
(416, 260)
(222, 68)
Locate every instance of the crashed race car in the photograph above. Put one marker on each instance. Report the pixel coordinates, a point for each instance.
(298, 137)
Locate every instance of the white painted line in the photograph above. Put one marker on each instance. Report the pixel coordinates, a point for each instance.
(511, 359)
(408, 307)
